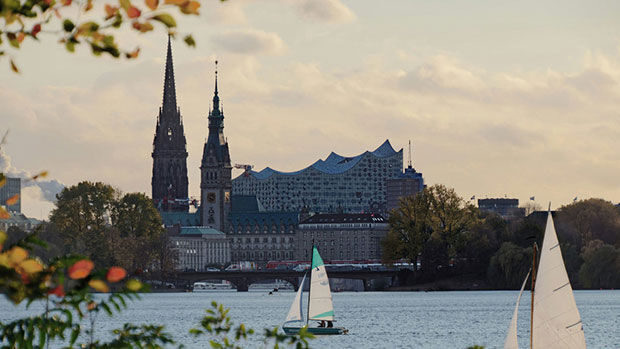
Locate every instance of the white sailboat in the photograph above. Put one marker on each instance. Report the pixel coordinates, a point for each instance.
(555, 318)
(320, 307)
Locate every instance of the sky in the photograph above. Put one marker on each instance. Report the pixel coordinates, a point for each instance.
(499, 99)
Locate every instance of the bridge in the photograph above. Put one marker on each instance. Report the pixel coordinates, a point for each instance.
(243, 279)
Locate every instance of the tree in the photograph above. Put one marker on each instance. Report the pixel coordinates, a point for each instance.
(430, 226)
(587, 220)
(82, 218)
(87, 22)
(509, 265)
(601, 267)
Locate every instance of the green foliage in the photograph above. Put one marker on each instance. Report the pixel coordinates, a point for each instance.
(86, 22)
(509, 265)
(601, 267)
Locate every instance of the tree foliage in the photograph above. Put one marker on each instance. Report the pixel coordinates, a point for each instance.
(601, 266)
(87, 22)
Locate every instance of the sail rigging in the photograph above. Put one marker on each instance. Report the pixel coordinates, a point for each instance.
(557, 323)
(320, 305)
(295, 313)
(511, 341)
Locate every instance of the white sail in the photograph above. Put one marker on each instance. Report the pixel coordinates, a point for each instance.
(511, 337)
(557, 323)
(320, 305)
(296, 313)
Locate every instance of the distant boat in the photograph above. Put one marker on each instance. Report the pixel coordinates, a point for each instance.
(320, 307)
(555, 320)
(210, 286)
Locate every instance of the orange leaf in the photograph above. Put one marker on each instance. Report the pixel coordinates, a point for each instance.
(3, 237)
(20, 37)
(4, 214)
(66, 2)
(99, 286)
(42, 174)
(16, 255)
(176, 2)
(133, 12)
(190, 8)
(81, 269)
(115, 274)
(91, 306)
(31, 266)
(110, 11)
(12, 200)
(152, 4)
(58, 291)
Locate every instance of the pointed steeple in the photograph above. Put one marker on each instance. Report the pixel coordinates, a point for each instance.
(216, 98)
(169, 102)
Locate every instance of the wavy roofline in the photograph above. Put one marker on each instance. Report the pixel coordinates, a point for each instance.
(333, 163)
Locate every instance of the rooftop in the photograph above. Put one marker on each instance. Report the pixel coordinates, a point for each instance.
(333, 164)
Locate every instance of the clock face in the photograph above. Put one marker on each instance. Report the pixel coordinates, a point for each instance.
(211, 197)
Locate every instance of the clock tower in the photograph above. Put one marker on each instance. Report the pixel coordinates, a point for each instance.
(215, 170)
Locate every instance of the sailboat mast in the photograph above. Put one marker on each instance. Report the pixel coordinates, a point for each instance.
(534, 253)
(310, 282)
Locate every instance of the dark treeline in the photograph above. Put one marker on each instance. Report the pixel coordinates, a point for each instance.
(445, 237)
(112, 229)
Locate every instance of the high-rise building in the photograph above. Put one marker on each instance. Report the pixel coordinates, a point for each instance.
(215, 170)
(337, 184)
(11, 188)
(169, 182)
(410, 182)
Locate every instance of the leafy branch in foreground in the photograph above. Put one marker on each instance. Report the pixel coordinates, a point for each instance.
(86, 22)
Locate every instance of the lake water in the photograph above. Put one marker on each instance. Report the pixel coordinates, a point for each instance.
(374, 319)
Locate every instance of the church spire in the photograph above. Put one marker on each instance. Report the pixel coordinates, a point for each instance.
(169, 102)
(216, 98)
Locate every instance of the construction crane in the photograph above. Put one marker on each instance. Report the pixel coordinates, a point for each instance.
(246, 168)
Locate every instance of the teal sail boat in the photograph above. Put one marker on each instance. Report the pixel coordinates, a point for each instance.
(320, 307)
(555, 322)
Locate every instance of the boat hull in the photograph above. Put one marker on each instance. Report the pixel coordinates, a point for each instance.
(319, 331)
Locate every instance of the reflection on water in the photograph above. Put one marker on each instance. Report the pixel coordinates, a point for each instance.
(375, 319)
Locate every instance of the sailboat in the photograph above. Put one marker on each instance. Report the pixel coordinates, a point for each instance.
(320, 307)
(555, 320)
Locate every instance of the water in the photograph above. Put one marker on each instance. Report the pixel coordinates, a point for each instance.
(375, 319)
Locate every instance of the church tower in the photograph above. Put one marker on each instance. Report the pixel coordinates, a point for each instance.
(169, 181)
(215, 170)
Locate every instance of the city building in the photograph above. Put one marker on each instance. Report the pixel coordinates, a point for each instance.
(408, 183)
(341, 236)
(11, 188)
(199, 247)
(215, 170)
(507, 208)
(20, 221)
(260, 236)
(169, 181)
(337, 184)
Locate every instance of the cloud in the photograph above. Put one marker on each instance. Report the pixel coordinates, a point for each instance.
(325, 10)
(249, 42)
(39, 190)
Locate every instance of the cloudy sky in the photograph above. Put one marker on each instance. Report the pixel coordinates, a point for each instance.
(514, 98)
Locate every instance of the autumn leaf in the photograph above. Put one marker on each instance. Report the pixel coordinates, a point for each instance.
(134, 285)
(35, 30)
(20, 37)
(133, 54)
(166, 19)
(14, 67)
(57, 291)
(81, 269)
(189, 40)
(133, 12)
(12, 200)
(3, 237)
(4, 214)
(42, 174)
(191, 8)
(110, 11)
(176, 2)
(115, 274)
(2, 180)
(99, 285)
(152, 4)
(16, 255)
(31, 266)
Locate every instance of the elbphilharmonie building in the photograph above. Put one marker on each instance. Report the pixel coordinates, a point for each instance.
(337, 184)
